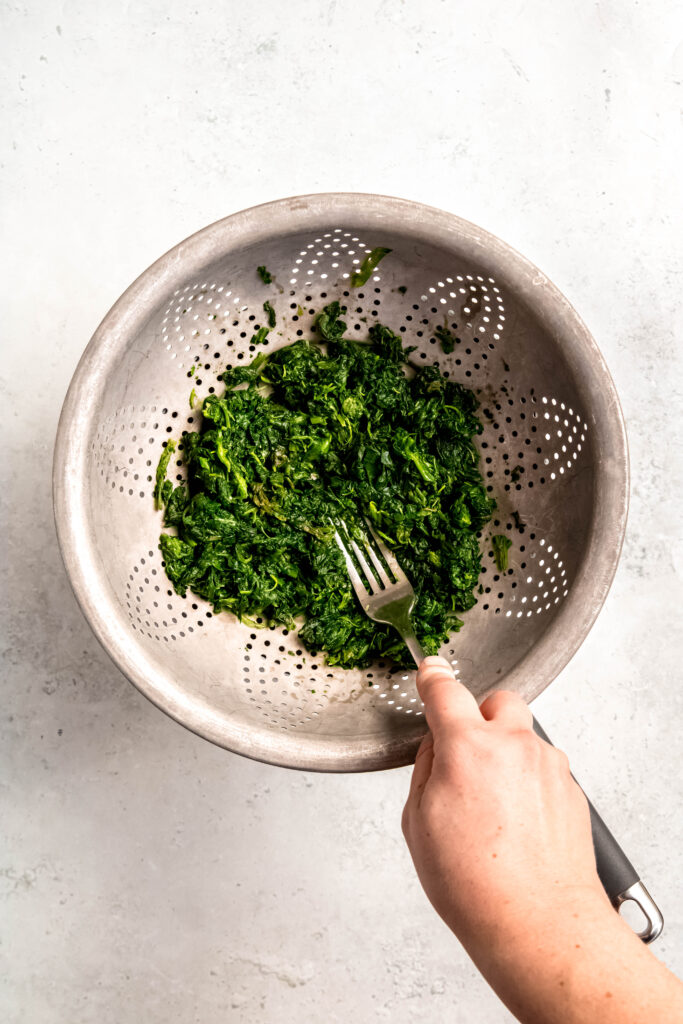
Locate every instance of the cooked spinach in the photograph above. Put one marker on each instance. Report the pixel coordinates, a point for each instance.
(164, 487)
(260, 337)
(360, 276)
(501, 546)
(310, 434)
(264, 274)
(267, 308)
(446, 337)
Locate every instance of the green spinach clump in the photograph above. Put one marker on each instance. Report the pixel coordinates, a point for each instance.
(313, 433)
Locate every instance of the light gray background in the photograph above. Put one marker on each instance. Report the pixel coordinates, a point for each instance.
(146, 875)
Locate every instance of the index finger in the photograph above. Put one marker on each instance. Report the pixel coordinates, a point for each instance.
(447, 702)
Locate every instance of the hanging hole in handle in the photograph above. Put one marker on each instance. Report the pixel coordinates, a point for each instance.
(650, 923)
(635, 917)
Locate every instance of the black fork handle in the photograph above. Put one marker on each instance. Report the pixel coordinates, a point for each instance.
(619, 878)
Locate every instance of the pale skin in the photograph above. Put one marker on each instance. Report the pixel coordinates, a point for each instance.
(500, 836)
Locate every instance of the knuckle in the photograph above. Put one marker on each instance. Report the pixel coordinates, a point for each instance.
(529, 746)
(504, 704)
(528, 741)
(509, 697)
(491, 704)
(561, 760)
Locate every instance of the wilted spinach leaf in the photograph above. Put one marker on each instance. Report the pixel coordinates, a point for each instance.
(267, 308)
(360, 276)
(161, 488)
(446, 337)
(501, 545)
(260, 336)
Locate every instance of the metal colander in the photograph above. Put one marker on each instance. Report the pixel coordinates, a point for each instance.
(553, 453)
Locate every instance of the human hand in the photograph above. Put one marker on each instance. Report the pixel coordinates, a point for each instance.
(500, 836)
(496, 825)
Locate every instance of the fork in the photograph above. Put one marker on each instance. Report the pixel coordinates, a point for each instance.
(391, 600)
(382, 598)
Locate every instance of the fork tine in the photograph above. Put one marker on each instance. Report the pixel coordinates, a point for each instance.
(362, 561)
(380, 571)
(387, 554)
(355, 577)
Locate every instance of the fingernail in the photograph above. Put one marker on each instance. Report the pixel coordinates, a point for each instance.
(437, 661)
(434, 666)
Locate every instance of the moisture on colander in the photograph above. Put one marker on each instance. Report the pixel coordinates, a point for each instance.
(318, 431)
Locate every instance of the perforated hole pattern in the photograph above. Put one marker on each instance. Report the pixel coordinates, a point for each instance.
(530, 441)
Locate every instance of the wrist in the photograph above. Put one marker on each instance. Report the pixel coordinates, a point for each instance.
(516, 917)
(557, 959)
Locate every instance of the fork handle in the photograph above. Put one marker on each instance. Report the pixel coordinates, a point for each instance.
(618, 876)
(413, 644)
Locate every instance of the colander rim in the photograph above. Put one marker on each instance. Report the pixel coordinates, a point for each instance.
(565, 634)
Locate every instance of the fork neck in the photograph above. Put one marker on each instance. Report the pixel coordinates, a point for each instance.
(413, 644)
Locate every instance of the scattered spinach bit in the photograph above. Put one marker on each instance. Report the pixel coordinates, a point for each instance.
(260, 337)
(193, 398)
(361, 275)
(267, 308)
(192, 371)
(330, 324)
(446, 337)
(516, 473)
(265, 276)
(313, 433)
(501, 546)
(402, 289)
(163, 486)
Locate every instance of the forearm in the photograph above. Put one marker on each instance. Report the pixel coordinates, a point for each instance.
(578, 965)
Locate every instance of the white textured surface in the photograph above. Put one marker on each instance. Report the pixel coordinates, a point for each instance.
(143, 873)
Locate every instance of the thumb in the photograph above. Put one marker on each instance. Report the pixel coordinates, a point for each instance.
(447, 702)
